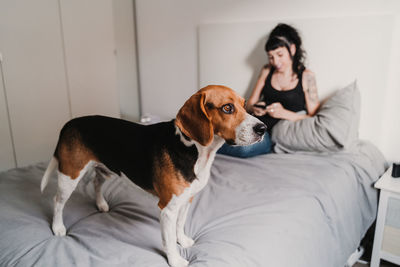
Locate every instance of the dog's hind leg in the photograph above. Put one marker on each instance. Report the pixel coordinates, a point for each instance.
(66, 186)
(98, 183)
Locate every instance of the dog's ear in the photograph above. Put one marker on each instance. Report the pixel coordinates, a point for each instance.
(193, 120)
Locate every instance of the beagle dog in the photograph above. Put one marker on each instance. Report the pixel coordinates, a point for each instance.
(170, 159)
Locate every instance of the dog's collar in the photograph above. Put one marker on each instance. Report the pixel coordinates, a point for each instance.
(184, 138)
(187, 138)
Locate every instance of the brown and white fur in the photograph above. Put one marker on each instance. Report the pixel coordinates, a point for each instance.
(171, 159)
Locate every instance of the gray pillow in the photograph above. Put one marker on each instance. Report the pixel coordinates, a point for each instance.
(333, 128)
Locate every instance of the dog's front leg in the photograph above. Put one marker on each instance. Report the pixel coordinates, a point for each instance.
(183, 239)
(168, 221)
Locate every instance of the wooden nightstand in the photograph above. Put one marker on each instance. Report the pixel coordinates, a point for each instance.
(387, 238)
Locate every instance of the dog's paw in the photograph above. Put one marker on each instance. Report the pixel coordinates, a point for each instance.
(59, 230)
(177, 261)
(185, 241)
(103, 206)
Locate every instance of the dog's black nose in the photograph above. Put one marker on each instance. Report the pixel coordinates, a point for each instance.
(260, 129)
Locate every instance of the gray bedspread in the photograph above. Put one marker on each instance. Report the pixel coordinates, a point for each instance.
(273, 210)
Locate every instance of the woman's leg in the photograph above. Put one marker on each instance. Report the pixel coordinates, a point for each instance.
(259, 148)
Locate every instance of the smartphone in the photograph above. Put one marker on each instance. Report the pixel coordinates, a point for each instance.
(260, 105)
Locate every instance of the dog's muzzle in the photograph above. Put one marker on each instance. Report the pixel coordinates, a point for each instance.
(250, 131)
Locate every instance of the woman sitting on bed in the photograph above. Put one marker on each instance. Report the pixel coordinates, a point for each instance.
(284, 88)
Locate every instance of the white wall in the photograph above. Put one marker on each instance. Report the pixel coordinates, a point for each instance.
(168, 46)
(391, 121)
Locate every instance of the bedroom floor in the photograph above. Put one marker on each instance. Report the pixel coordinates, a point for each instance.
(383, 264)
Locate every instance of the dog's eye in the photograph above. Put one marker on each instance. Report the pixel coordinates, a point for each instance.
(228, 108)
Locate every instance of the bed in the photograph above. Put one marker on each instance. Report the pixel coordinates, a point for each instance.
(290, 209)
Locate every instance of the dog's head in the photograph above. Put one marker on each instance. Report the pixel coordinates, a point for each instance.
(217, 109)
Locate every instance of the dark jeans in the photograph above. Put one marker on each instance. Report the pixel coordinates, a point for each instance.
(263, 147)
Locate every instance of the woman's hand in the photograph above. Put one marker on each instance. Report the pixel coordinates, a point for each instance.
(258, 111)
(276, 110)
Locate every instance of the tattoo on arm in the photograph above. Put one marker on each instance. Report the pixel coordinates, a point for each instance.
(312, 88)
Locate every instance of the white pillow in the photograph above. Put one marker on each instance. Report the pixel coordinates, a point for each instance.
(333, 128)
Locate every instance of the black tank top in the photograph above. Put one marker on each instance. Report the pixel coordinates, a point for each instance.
(293, 100)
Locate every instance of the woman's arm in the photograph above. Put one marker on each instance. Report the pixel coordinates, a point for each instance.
(310, 92)
(256, 93)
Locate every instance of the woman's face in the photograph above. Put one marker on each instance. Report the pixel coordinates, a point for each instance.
(280, 59)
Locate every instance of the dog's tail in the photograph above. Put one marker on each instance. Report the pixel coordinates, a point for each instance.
(50, 169)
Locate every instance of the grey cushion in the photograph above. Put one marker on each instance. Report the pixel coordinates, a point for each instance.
(333, 128)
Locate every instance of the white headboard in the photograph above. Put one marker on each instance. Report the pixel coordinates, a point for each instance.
(339, 50)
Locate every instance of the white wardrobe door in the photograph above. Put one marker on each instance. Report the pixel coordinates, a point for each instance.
(33, 65)
(6, 149)
(91, 64)
(127, 78)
